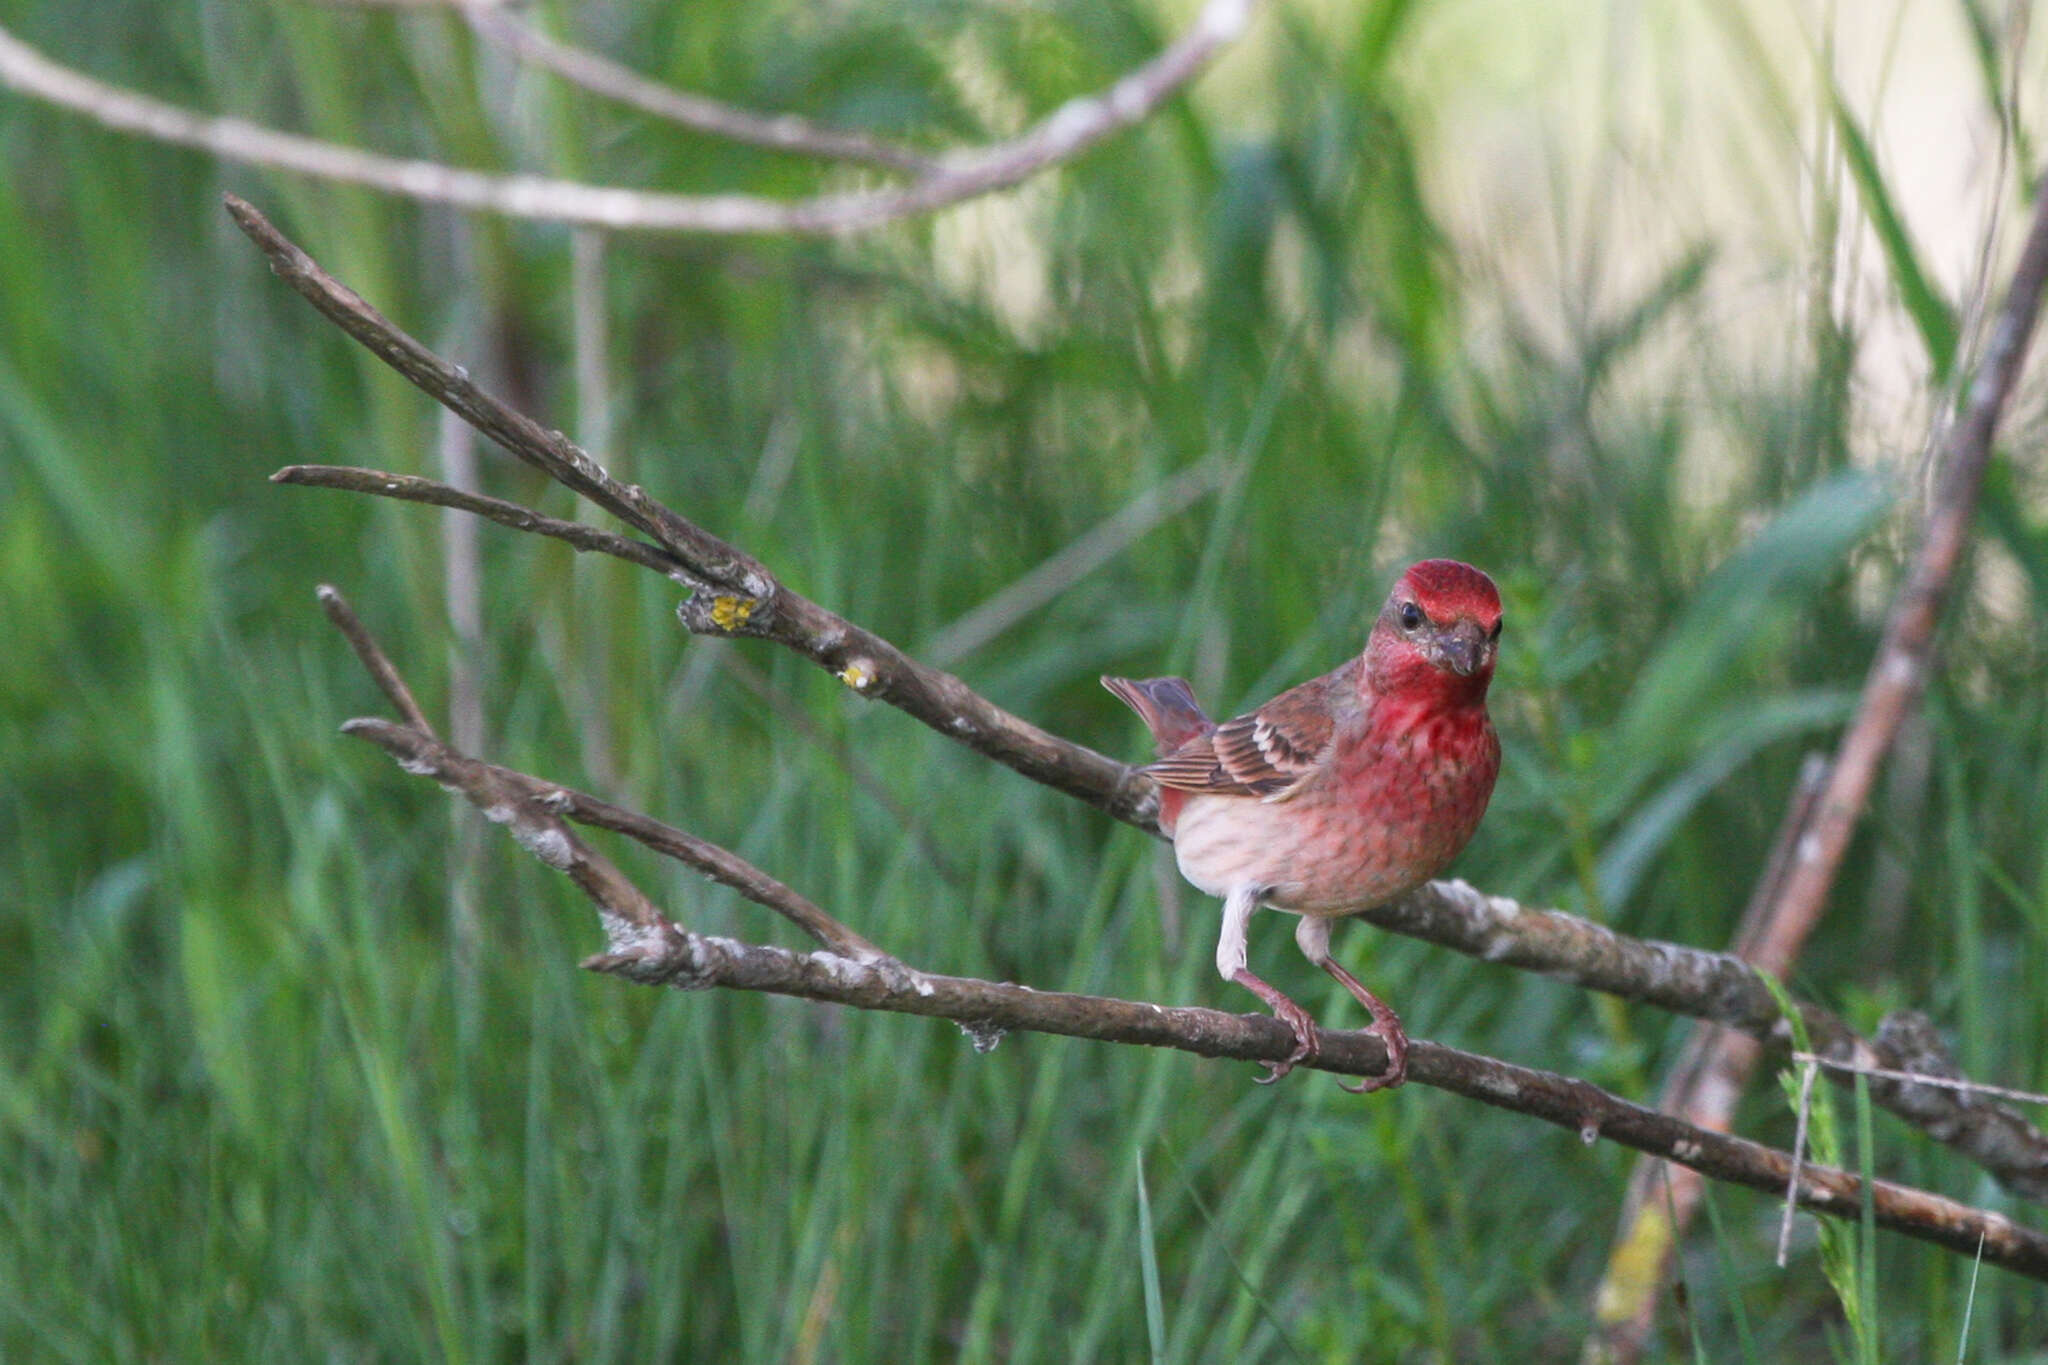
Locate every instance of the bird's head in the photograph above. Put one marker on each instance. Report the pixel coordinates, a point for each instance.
(1437, 635)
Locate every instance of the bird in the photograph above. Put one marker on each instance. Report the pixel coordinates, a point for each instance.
(1340, 794)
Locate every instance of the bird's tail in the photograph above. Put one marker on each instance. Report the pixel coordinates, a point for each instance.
(1166, 705)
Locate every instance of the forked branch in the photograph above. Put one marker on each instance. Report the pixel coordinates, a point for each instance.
(646, 947)
(1717, 987)
(1059, 137)
(1788, 900)
(733, 594)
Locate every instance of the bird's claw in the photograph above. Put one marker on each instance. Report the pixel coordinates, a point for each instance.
(1306, 1044)
(1386, 1026)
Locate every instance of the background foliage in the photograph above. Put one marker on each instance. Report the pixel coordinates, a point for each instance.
(1639, 307)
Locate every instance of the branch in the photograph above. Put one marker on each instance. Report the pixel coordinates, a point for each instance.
(419, 752)
(412, 488)
(690, 961)
(736, 595)
(1061, 136)
(372, 658)
(604, 77)
(1702, 1086)
(1899, 673)
(1792, 893)
(1082, 556)
(647, 948)
(733, 594)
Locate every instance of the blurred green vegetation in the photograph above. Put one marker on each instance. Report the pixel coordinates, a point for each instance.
(263, 1097)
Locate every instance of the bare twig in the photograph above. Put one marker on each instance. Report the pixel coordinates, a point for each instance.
(645, 947)
(1806, 1075)
(847, 757)
(373, 658)
(691, 961)
(583, 667)
(1693, 981)
(1924, 1078)
(732, 593)
(518, 803)
(1899, 673)
(604, 77)
(1792, 893)
(1452, 913)
(421, 754)
(1061, 136)
(417, 750)
(1703, 1086)
(708, 561)
(412, 488)
(462, 593)
(648, 948)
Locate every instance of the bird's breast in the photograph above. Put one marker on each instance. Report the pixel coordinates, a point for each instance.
(1392, 809)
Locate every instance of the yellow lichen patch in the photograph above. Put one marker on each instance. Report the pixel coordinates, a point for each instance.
(857, 675)
(730, 613)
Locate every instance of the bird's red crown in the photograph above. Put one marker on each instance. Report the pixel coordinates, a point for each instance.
(1449, 589)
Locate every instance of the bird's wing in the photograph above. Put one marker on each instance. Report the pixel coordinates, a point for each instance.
(1267, 753)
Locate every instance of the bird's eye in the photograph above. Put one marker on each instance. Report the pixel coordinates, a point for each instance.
(1496, 629)
(1411, 616)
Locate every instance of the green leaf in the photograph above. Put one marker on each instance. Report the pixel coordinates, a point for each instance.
(1734, 737)
(1758, 586)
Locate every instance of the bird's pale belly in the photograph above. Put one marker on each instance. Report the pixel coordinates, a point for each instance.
(1316, 855)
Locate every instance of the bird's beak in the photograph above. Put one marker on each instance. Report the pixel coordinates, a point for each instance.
(1464, 646)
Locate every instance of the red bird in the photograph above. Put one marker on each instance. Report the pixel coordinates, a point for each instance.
(1340, 794)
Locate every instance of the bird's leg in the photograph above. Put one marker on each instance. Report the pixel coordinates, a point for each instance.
(1290, 1014)
(1238, 907)
(1313, 934)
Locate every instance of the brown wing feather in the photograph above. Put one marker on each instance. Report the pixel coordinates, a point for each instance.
(1265, 753)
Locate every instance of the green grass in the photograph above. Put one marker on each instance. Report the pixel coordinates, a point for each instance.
(261, 1099)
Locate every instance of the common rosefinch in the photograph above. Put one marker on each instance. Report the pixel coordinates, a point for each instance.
(1342, 793)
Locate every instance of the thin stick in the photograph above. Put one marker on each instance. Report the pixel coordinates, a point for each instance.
(1923, 1078)
(1790, 896)
(375, 662)
(1703, 1086)
(1061, 136)
(604, 77)
(846, 756)
(1899, 673)
(1578, 1107)
(733, 594)
(412, 488)
(418, 752)
(490, 787)
(1079, 558)
(508, 799)
(1709, 985)
(1806, 1076)
(647, 947)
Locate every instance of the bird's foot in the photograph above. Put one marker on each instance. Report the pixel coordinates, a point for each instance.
(1306, 1045)
(1386, 1026)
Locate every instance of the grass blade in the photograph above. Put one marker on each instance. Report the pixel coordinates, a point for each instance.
(1969, 1304)
(1148, 1269)
(1866, 1260)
